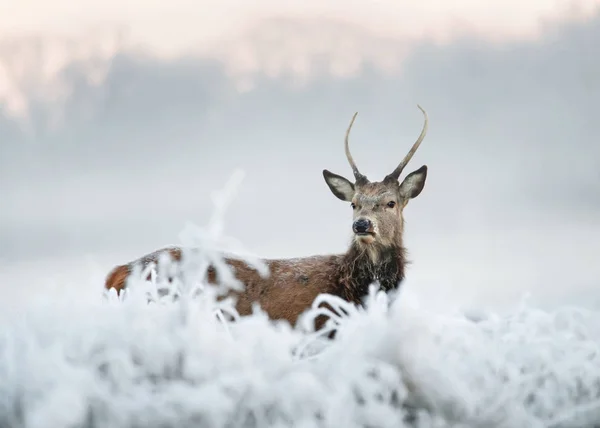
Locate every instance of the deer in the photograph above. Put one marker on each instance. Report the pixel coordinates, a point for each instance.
(375, 254)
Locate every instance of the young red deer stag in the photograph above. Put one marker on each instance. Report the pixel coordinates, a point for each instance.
(376, 252)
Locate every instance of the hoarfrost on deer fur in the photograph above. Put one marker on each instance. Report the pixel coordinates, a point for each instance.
(75, 359)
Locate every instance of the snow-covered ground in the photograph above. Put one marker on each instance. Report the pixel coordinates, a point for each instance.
(79, 359)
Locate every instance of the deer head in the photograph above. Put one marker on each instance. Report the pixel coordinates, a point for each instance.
(377, 206)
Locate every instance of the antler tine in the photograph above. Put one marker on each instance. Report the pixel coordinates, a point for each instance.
(413, 149)
(357, 175)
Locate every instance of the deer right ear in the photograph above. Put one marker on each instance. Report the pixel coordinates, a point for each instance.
(342, 188)
(414, 182)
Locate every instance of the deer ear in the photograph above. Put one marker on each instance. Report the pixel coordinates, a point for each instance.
(342, 188)
(413, 183)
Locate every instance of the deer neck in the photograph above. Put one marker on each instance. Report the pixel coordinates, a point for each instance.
(362, 266)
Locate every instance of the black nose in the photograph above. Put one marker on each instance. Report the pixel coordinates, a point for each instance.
(361, 225)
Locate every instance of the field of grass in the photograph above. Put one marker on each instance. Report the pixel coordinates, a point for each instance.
(83, 359)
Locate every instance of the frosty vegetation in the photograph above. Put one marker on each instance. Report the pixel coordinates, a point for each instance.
(173, 358)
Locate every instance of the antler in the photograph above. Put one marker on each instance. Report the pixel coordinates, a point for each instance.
(357, 175)
(413, 149)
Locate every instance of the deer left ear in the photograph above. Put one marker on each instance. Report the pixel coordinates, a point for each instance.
(413, 183)
(339, 186)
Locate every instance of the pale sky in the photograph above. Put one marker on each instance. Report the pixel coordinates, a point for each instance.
(107, 149)
(249, 36)
(176, 25)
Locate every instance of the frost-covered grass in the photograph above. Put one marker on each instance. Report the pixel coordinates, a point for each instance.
(81, 359)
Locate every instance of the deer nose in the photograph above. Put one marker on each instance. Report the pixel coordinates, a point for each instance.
(362, 225)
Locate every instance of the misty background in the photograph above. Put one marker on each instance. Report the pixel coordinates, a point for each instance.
(128, 146)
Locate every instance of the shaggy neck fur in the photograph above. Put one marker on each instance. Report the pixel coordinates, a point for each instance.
(359, 269)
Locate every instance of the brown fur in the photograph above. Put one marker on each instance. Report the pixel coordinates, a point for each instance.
(293, 284)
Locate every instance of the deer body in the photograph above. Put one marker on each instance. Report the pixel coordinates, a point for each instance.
(293, 284)
(376, 252)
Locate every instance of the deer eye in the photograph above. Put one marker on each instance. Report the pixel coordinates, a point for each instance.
(391, 204)
(353, 205)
